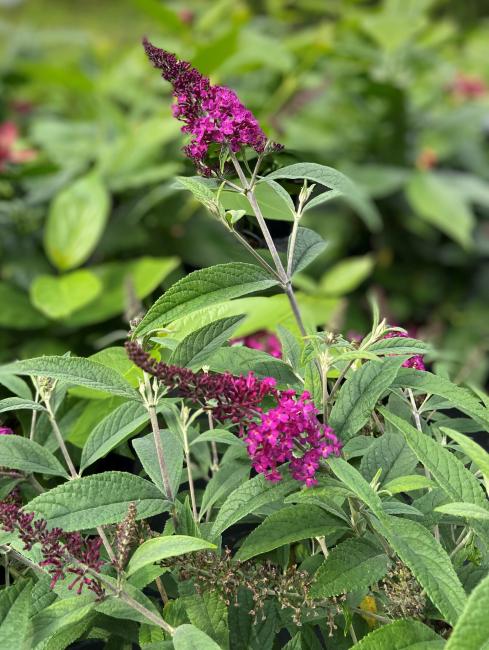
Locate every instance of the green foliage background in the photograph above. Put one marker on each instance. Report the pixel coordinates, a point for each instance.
(95, 223)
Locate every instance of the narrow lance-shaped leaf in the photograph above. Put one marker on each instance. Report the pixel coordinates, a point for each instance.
(27, 455)
(74, 370)
(203, 288)
(198, 346)
(97, 500)
(472, 629)
(402, 635)
(160, 548)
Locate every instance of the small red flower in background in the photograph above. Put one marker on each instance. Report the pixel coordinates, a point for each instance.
(262, 340)
(9, 135)
(427, 159)
(415, 362)
(467, 87)
(6, 431)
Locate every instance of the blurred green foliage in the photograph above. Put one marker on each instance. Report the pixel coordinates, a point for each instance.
(391, 92)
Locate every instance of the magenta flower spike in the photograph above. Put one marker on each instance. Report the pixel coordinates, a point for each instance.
(210, 114)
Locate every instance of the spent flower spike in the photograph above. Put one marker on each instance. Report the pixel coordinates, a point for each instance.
(210, 114)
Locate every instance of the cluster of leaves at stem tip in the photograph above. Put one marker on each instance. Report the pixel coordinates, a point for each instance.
(295, 488)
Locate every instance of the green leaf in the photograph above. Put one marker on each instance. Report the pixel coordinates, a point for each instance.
(415, 545)
(219, 435)
(197, 347)
(58, 297)
(402, 635)
(461, 398)
(454, 479)
(27, 455)
(160, 548)
(19, 404)
(391, 454)
(97, 500)
(400, 345)
(172, 452)
(359, 395)
(239, 360)
(475, 452)
(188, 637)
(465, 510)
(472, 629)
(351, 566)
(203, 288)
(114, 429)
(201, 192)
(249, 497)
(14, 614)
(76, 221)
(346, 275)
(440, 204)
(120, 282)
(407, 484)
(223, 483)
(208, 612)
(74, 370)
(308, 246)
(17, 313)
(428, 561)
(288, 525)
(273, 203)
(337, 181)
(17, 386)
(61, 615)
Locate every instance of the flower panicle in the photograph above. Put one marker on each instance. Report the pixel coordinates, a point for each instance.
(232, 398)
(63, 553)
(210, 114)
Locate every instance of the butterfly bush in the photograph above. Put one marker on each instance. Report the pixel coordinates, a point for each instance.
(211, 114)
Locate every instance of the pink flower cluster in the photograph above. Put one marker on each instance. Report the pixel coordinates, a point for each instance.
(291, 432)
(211, 114)
(6, 431)
(468, 87)
(416, 361)
(8, 151)
(263, 340)
(62, 552)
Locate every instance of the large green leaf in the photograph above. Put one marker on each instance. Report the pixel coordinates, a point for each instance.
(116, 427)
(58, 297)
(76, 222)
(227, 479)
(402, 635)
(160, 548)
(454, 479)
(437, 202)
(203, 288)
(249, 497)
(14, 614)
(272, 202)
(472, 629)
(399, 345)
(172, 452)
(63, 614)
(188, 637)
(351, 566)
(461, 398)
(415, 545)
(120, 282)
(27, 455)
(288, 525)
(391, 454)
(97, 500)
(359, 395)
(17, 313)
(197, 347)
(208, 612)
(336, 181)
(74, 370)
